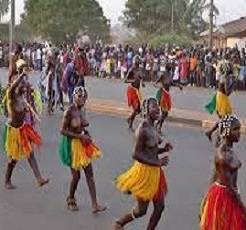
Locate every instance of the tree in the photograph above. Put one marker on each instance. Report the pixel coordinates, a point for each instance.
(146, 15)
(171, 39)
(155, 16)
(4, 6)
(4, 32)
(60, 19)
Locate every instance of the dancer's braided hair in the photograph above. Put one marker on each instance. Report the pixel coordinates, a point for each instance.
(146, 104)
(225, 125)
(80, 89)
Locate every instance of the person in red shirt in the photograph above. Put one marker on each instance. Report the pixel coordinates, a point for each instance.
(82, 67)
(184, 69)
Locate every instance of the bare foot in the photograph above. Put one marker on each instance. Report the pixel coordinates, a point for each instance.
(130, 126)
(131, 129)
(129, 122)
(72, 205)
(159, 130)
(10, 186)
(43, 182)
(98, 208)
(117, 226)
(209, 135)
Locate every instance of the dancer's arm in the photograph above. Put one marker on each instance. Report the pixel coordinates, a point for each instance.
(15, 84)
(168, 147)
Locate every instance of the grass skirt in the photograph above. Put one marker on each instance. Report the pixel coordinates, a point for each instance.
(18, 141)
(144, 182)
(74, 154)
(222, 210)
(133, 97)
(164, 99)
(223, 104)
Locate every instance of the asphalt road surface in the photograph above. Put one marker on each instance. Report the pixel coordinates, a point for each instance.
(188, 176)
(190, 98)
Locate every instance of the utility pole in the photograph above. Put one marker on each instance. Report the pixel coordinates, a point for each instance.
(11, 25)
(211, 24)
(172, 17)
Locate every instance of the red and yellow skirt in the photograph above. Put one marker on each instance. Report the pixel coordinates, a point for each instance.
(75, 154)
(164, 99)
(18, 142)
(222, 210)
(144, 182)
(133, 97)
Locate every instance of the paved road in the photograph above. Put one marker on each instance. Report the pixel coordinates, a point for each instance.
(189, 98)
(188, 177)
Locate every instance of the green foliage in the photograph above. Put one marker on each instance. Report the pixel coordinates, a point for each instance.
(171, 40)
(138, 39)
(160, 40)
(146, 15)
(59, 20)
(22, 33)
(4, 32)
(4, 6)
(154, 17)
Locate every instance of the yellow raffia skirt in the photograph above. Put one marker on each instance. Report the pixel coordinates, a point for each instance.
(144, 182)
(223, 104)
(18, 142)
(74, 154)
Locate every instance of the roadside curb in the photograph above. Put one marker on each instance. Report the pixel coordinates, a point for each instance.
(176, 116)
(124, 113)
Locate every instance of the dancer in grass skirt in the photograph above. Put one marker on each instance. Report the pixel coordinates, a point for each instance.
(222, 208)
(145, 180)
(19, 135)
(77, 149)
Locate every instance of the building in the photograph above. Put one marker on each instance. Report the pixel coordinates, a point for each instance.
(230, 34)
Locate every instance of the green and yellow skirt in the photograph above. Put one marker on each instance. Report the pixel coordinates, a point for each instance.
(75, 154)
(144, 182)
(18, 142)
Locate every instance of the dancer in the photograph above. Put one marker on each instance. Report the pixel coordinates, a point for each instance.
(19, 136)
(77, 150)
(164, 98)
(221, 103)
(146, 180)
(134, 78)
(222, 207)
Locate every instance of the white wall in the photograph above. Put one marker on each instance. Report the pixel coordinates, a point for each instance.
(233, 41)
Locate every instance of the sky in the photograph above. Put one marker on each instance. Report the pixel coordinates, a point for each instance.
(229, 9)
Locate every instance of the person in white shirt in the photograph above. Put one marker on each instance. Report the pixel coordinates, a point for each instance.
(39, 59)
(1, 55)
